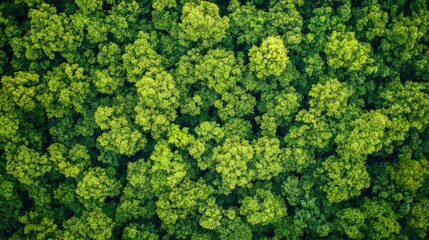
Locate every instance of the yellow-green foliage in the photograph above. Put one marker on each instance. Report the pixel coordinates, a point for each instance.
(210, 119)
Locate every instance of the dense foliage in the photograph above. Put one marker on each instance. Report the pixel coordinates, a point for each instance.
(204, 119)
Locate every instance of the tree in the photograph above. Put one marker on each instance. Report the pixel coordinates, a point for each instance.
(209, 134)
(211, 215)
(288, 21)
(219, 70)
(182, 201)
(235, 228)
(267, 159)
(119, 136)
(50, 34)
(270, 58)
(126, 20)
(21, 89)
(10, 204)
(323, 21)
(314, 132)
(372, 22)
(38, 227)
(137, 196)
(407, 101)
(380, 220)
(93, 224)
(366, 136)
(65, 195)
(201, 22)
(134, 231)
(64, 89)
(351, 221)
(89, 6)
(111, 77)
(9, 117)
(263, 208)
(163, 12)
(409, 174)
(403, 40)
(97, 184)
(232, 160)
(279, 106)
(343, 50)
(250, 24)
(345, 178)
(419, 221)
(158, 100)
(169, 168)
(140, 57)
(235, 103)
(26, 164)
(70, 162)
(330, 98)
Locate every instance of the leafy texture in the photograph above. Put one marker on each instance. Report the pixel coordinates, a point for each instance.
(207, 120)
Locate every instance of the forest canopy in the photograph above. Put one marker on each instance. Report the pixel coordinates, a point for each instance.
(205, 119)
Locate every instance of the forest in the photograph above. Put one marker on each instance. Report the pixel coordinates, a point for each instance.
(214, 119)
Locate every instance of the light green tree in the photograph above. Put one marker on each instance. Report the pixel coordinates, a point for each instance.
(158, 101)
(140, 57)
(64, 90)
(419, 220)
(343, 50)
(232, 160)
(50, 34)
(97, 184)
(27, 165)
(219, 70)
(345, 178)
(268, 158)
(201, 23)
(21, 89)
(137, 198)
(270, 58)
(380, 220)
(408, 173)
(89, 6)
(330, 98)
(92, 224)
(70, 162)
(351, 221)
(182, 201)
(263, 208)
(120, 135)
